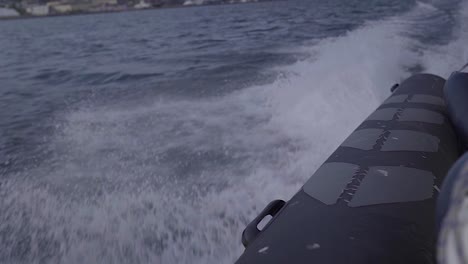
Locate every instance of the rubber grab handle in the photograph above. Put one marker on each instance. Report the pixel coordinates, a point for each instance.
(251, 231)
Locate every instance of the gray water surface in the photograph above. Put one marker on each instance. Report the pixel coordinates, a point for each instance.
(156, 136)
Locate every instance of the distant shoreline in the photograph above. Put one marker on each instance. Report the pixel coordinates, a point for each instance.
(128, 10)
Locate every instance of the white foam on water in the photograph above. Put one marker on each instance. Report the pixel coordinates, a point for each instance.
(426, 6)
(447, 58)
(178, 180)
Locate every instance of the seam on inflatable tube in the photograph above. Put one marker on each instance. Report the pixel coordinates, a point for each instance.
(352, 187)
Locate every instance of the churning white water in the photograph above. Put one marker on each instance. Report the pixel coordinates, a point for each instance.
(177, 180)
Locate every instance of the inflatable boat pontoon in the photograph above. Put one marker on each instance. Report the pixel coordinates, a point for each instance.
(374, 199)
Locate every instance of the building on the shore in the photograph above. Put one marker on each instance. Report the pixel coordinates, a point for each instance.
(77, 6)
(193, 2)
(142, 5)
(8, 12)
(38, 10)
(63, 8)
(81, 7)
(104, 2)
(59, 7)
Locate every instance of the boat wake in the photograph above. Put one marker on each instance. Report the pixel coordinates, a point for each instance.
(176, 181)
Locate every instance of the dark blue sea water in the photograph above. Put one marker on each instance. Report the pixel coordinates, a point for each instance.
(155, 136)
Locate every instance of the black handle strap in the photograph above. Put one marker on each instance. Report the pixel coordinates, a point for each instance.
(251, 231)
